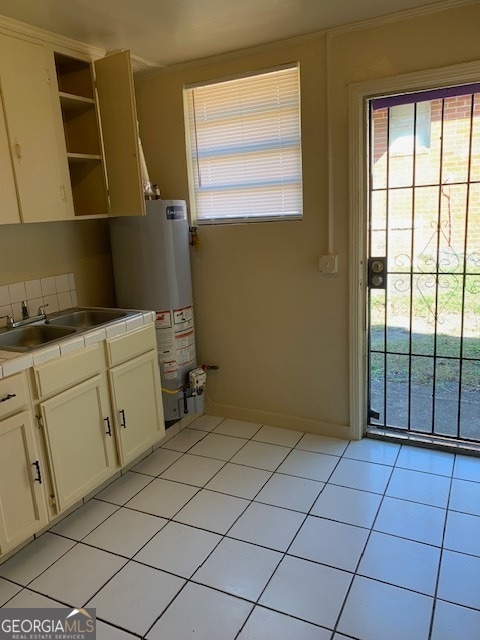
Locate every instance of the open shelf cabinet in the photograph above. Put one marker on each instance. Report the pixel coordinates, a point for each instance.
(82, 135)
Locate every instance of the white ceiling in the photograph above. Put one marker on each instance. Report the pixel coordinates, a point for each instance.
(166, 32)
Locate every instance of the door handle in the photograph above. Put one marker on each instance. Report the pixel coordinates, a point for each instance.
(9, 396)
(123, 423)
(38, 479)
(377, 273)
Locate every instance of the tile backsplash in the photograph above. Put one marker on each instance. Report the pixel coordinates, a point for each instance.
(58, 292)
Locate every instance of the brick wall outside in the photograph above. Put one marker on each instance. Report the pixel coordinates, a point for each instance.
(434, 188)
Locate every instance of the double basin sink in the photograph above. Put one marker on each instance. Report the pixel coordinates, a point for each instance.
(58, 326)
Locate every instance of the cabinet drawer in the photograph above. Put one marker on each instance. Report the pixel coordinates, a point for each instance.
(67, 371)
(130, 345)
(13, 394)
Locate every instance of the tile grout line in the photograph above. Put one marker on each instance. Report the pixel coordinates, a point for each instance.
(437, 581)
(225, 536)
(342, 608)
(189, 580)
(285, 553)
(251, 501)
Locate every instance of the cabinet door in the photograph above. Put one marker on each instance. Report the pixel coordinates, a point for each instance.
(116, 101)
(79, 440)
(137, 404)
(23, 509)
(9, 212)
(34, 127)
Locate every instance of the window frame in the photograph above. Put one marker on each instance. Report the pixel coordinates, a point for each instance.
(190, 144)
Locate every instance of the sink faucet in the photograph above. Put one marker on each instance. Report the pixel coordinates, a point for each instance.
(25, 313)
(41, 315)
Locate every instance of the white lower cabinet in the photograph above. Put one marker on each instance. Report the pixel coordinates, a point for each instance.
(79, 440)
(23, 509)
(137, 410)
(97, 409)
(74, 411)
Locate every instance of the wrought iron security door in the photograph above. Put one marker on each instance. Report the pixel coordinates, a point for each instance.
(424, 266)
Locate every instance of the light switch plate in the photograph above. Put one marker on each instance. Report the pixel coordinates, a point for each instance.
(328, 264)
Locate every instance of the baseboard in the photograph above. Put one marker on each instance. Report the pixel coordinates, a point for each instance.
(278, 420)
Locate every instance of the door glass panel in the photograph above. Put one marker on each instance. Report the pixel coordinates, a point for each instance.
(424, 329)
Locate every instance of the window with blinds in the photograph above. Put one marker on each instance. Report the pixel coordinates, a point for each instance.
(244, 147)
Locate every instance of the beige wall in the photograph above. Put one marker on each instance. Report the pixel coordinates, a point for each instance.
(277, 327)
(30, 251)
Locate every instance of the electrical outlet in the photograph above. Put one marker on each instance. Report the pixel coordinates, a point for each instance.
(328, 264)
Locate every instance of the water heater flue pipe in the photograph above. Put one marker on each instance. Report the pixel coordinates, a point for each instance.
(143, 164)
(151, 191)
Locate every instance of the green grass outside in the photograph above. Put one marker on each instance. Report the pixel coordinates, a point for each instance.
(448, 341)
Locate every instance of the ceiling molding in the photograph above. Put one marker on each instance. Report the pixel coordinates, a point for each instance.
(238, 53)
(140, 65)
(10, 26)
(398, 16)
(143, 67)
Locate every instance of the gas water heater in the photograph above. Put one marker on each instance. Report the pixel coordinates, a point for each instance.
(151, 262)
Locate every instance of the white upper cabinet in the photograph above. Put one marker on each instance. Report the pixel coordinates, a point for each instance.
(82, 136)
(68, 135)
(100, 130)
(32, 119)
(116, 99)
(10, 212)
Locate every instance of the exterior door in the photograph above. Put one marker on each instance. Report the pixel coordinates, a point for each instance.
(424, 263)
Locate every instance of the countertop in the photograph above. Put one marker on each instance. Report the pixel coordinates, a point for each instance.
(13, 362)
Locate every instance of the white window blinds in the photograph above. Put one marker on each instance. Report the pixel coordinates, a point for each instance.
(243, 138)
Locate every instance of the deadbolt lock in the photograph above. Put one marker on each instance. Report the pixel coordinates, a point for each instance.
(377, 273)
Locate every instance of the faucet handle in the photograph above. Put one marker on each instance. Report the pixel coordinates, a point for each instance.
(9, 322)
(25, 312)
(41, 310)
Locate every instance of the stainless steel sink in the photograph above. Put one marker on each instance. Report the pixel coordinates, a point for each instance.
(86, 318)
(58, 326)
(32, 337)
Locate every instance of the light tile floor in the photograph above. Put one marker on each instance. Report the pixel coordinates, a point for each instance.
(241, 531)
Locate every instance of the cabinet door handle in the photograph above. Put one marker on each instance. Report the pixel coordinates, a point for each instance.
(9, 396)
(38, 479)
(123, 423)
(18, 151)
(109, 429)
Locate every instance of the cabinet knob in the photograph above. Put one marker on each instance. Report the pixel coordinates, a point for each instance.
(123, 423)
(18, 151)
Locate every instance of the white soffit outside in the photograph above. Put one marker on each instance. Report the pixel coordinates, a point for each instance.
(167, 32)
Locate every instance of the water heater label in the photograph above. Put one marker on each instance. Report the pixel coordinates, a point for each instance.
(185, 347)
(170, 369)
(183, 318)
(163, 319)
(176, 212)
(165, 344)
(175, 341)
